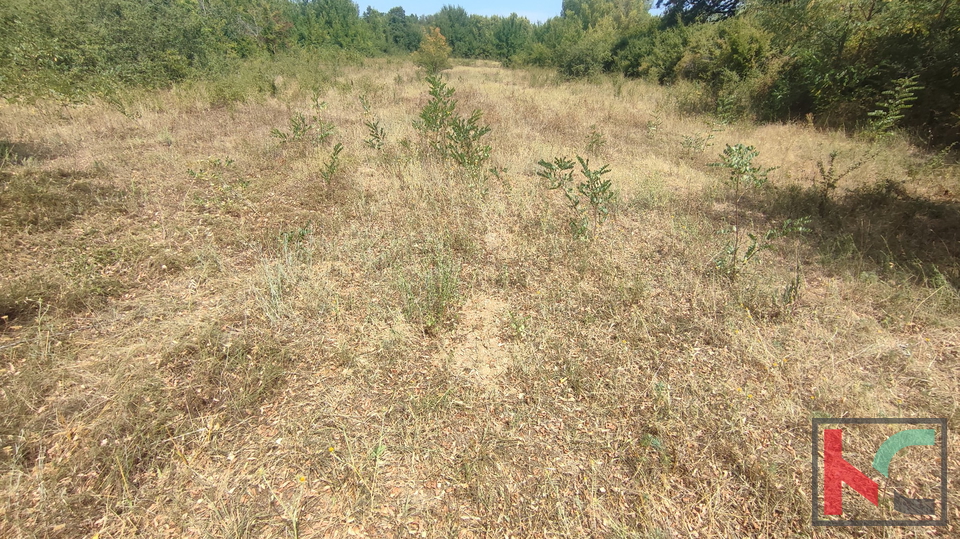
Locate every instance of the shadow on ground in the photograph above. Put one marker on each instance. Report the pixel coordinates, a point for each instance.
(880, 225)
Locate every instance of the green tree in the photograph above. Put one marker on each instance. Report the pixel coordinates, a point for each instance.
(623, 14)
(511, 35)
(434, 53)
(461, 30)
(336, 23)
(690, 11)
(378, 29)
(250, 27)
(405, 30)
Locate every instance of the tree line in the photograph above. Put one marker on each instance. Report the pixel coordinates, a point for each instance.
(772, 60)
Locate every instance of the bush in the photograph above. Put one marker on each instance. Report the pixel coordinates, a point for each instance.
(589, 56)
(434, 53)
(67, 49)
(447, 133)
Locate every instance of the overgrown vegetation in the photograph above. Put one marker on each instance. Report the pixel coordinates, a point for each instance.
(766, 60)
(210, 331)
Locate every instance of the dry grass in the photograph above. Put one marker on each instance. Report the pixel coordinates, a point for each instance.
(245, 350)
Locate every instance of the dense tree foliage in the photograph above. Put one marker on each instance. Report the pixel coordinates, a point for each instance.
(767, 59)
(688, 11)
(393, 31)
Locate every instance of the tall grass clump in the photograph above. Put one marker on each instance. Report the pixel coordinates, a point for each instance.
(431, 298)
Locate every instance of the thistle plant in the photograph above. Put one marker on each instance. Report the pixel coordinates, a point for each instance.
(589, 199)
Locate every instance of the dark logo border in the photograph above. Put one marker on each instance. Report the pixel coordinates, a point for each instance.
(815, 479)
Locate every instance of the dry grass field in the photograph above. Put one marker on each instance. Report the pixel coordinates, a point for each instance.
(209, 331)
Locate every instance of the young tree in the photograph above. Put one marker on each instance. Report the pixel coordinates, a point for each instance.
(434, 53)
(405, 30)
(511, 35)
(461, 30)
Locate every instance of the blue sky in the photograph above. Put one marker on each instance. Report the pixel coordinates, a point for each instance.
(535, 10)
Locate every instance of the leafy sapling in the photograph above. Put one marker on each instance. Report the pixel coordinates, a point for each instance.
(435, 118)
(463, 141)
(450, 135)
(589, 199)
(376, 135)
(743, 176)
(596, 141)
(890, 112)
(301, 126)
(331, 167)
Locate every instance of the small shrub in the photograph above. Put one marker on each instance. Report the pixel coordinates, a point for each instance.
(434, 53)
(463, 141)
(743, 176)
(301, 126)
(364, 103)
(696, 143)
(450, 135)
(437, 115)
(223, 190)
(589, 199)
(596, 141)
(830, 176)
(7, 154)
(332, 166)
(376, 135)
(739, 252)
(654, 125)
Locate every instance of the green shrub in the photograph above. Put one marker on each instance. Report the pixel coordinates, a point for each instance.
(377, 137)
(743, 176)
(301, 126)
(589, 199)
(450, 135)
(434, 53)
(332, 166)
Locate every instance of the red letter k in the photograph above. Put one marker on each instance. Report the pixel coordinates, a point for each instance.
(836, 470)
